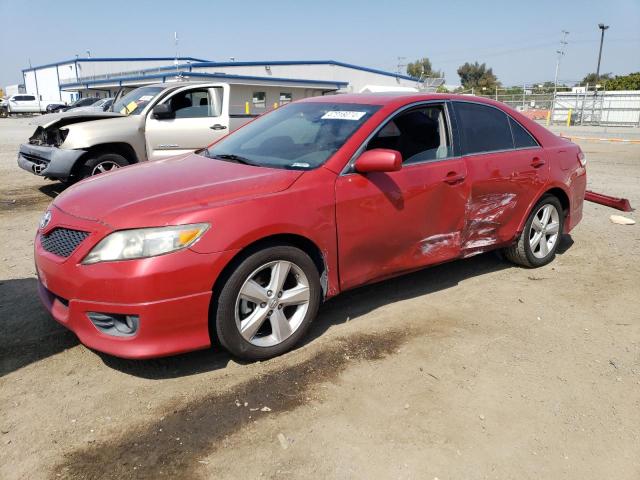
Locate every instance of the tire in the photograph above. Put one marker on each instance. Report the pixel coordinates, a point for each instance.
(278, 323)
(538, 243)
(104, 161)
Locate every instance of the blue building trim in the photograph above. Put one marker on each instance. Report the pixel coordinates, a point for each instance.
(221, 76)
(115, 59)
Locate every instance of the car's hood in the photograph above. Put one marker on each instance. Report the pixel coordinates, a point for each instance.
(164, 191)
(67, 118)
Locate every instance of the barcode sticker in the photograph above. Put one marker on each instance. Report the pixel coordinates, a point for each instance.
(343, 115)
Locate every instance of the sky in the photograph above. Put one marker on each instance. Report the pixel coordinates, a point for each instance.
(517, 39)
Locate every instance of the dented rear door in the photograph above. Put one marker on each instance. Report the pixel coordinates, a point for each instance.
(504, 180)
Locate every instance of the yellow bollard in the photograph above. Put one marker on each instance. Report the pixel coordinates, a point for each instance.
(246, 108)
(275, 105)
(548, 117)
(569, 117)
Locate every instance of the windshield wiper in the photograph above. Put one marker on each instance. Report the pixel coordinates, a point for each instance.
(234, 158)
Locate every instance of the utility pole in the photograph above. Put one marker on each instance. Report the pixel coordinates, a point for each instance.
(175, 40)
(401, 65)
(563, 44)
(602, 27)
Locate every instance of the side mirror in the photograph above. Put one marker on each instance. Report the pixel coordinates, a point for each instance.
(162, 111)
(379, 160)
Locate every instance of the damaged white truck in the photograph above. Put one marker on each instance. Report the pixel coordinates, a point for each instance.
(148, 123)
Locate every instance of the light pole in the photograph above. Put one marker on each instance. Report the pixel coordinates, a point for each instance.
(563, 44)
(602, 28)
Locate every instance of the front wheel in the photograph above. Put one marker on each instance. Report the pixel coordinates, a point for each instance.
(268, 303)
(540, 238)
(101, 163)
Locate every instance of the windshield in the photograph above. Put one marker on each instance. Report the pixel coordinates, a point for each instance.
(83, 102)
(297, 136)
(134, 102)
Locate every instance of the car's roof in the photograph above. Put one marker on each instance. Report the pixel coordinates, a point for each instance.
(396, 98)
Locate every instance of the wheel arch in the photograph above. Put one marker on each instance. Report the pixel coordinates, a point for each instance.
(120, 148)
(557, 191)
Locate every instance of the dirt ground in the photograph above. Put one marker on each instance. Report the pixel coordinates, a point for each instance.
(470, 370)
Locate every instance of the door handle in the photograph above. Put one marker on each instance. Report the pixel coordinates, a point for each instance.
(453, 178)
(537, 162)
(217, 126)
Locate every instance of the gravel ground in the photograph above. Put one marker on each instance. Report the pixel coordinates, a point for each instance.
(473, 369)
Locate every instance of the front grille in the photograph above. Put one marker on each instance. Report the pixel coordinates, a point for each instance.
(62, 241)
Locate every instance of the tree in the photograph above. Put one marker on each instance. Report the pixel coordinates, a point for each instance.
(623, 82)
(477, 76)
(590, 78)
(422, 68)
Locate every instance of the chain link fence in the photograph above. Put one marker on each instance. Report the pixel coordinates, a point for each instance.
(571, 105)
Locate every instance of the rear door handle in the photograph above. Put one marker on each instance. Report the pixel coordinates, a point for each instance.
(453, 178)
(217, 126)
(537, 162)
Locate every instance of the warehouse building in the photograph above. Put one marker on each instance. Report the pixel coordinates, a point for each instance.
(102, 77)
(46, 80)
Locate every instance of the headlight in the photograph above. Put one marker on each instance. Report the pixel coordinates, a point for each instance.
(144, 242)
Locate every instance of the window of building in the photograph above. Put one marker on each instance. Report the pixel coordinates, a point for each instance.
(420, 135)
(259, 99)
(483, 128)
(285, 97)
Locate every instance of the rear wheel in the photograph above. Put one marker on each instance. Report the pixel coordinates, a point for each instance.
(101, 163)
(540, 238)
(268, 302)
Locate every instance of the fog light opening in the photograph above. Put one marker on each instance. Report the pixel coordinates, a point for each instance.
(115, 324)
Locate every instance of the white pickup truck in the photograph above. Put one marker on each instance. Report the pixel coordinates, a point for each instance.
(149, 123)
(24, 103)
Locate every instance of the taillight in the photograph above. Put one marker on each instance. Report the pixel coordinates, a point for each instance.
(581, 158)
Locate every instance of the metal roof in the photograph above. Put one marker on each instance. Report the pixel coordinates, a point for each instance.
(113, 59)
(198, 63)
(331, 84)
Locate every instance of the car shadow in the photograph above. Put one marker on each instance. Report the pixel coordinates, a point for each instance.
(53, 189)
(566, 242)
(28, 333)
(343, 308)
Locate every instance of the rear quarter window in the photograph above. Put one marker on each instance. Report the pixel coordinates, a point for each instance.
(521, 138)
(482, 128)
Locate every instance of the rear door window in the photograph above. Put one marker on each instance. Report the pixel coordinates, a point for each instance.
(482, 128)
(521, 138)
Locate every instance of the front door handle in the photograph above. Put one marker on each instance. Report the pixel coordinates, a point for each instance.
(217, 126)
(537, 162)
(453, 178)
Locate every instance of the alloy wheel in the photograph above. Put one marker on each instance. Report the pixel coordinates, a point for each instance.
(103, 167)
(544, 231)
(272, 303)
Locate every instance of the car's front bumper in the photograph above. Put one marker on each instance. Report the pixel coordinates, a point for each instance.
(48, 161)
(170, 294)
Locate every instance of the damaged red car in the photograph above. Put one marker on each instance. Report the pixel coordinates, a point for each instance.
(239, 243)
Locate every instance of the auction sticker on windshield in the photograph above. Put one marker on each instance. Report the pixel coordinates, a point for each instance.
(343, 115)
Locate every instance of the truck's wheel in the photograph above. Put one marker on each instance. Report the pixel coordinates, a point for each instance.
(101, 163)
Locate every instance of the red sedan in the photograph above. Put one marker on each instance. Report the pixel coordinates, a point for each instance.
(243, 241)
